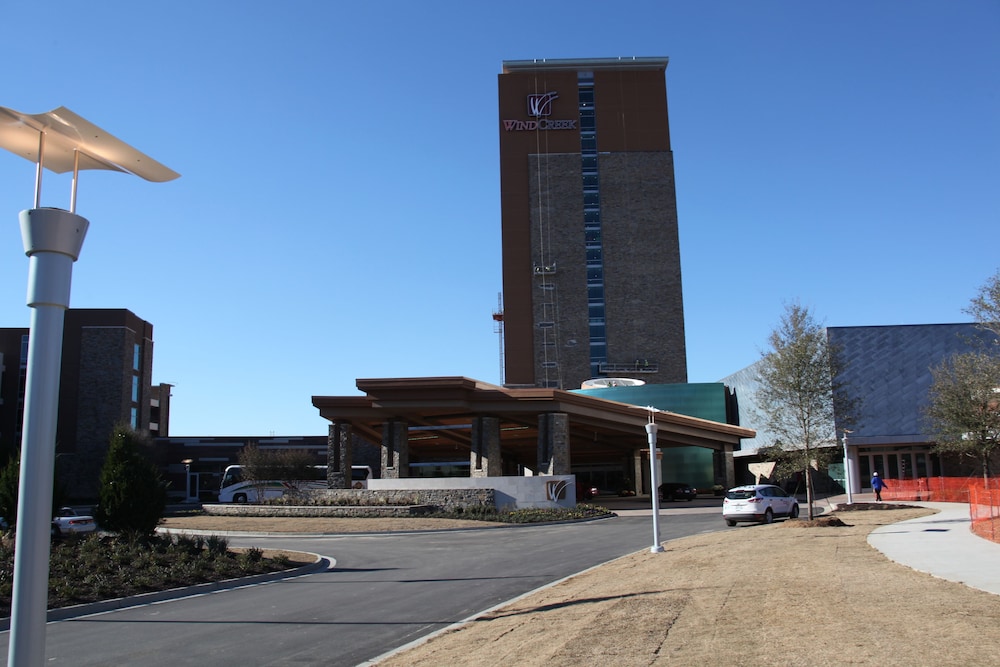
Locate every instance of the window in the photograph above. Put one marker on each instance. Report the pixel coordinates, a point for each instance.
(137, 357)
(135, 388)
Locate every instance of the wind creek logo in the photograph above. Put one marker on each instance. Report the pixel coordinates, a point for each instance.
(556, 490)
(541, 105)
(540, 108)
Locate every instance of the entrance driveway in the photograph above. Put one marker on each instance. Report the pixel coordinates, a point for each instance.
(382, 592)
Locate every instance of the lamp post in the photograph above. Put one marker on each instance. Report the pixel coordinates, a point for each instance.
(653, 478)
(847, 470)
(187, 477)
(60, 141)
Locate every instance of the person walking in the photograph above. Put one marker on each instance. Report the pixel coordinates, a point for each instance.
(877, 486)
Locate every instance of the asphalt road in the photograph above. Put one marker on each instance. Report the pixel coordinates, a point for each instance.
(382, 592)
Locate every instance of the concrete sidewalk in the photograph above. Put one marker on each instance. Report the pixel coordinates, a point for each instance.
(942, 545)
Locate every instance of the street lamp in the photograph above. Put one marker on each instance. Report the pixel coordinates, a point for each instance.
(187, 475)
(847, 470)
(653, 478)
(60, 141)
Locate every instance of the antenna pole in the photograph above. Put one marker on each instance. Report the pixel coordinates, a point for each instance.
(76, 180)
(38, 170)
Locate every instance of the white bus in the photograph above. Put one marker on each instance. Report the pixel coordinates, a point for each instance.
(235, 490)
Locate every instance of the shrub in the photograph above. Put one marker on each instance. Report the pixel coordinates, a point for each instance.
(249, 558)
(132, 495)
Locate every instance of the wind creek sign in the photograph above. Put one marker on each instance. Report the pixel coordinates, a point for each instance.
(539, 108)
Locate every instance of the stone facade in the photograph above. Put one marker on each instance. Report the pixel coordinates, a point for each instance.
(369, 502)
(100, 387)
(643, 301)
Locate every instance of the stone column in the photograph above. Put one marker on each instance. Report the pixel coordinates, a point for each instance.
(485, 461)
(639, 471)
(395, 449)
(339, 456)
(553, 444)
(730, 467)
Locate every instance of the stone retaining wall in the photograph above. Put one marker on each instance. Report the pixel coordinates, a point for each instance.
(367, 503)
(329, 511)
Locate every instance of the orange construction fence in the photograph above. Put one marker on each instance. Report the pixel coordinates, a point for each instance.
(984, 510)
(934, 489)
(984, 503)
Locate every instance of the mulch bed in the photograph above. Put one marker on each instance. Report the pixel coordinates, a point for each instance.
(855, 507)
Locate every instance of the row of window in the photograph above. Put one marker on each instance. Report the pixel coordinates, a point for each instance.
(592, 221)
(135, 393)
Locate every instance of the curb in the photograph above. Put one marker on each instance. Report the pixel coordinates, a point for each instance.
(90, 608)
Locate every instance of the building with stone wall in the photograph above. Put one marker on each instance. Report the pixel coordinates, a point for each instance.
(591, 259)
(107, 364)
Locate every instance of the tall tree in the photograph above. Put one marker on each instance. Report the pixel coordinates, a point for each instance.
(796, 397)
(964, 406)
(132, 495)
(964, 398)
(985, 306)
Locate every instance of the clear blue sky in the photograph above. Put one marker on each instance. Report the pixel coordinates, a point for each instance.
(338, 211)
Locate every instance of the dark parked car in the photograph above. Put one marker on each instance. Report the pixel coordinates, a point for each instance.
(677, 491)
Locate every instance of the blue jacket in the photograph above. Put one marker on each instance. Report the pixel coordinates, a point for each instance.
(877, 483)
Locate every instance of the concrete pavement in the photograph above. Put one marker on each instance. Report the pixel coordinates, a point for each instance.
(942, 545)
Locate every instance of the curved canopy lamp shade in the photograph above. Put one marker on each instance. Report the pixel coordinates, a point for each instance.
(61, 141)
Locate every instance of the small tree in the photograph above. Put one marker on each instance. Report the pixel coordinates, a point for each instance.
(9, 481)
(10, 486)
(132, 495)
(964, 406)
(796, 397)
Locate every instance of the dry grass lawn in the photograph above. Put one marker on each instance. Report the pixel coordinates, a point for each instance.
(789, 593)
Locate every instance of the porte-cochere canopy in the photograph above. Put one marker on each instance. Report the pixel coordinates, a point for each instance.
(440, 412)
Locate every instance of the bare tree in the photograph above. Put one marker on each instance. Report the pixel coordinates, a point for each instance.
(796, 397)
(985, 306)
(288, 467)
(964, 407)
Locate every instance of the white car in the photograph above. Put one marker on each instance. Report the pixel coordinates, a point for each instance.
(68, 522)
(758, 502)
